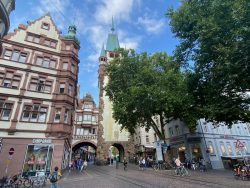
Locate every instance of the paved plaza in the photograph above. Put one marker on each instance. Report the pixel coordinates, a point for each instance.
(109, 177)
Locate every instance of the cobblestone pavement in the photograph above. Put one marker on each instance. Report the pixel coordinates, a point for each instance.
(109, 177)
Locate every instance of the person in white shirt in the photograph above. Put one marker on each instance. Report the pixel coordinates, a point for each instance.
(178, 164)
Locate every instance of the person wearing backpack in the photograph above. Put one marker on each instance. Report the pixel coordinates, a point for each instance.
(54, 178)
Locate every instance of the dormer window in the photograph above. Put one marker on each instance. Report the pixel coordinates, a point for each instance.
(45, 26)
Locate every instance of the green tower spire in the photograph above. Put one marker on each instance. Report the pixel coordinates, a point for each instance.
(112, 42)
(72, 34)
(102, 51)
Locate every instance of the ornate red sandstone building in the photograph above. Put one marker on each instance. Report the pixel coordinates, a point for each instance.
(38, 80)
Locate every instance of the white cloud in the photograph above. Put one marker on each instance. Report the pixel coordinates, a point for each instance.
(152, 25)
(127, 41)
(120, 9)
(57, 9)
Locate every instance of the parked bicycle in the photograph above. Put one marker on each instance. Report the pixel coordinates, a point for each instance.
(162, 166)
(242, 172)
(39, 180)
(181, 171)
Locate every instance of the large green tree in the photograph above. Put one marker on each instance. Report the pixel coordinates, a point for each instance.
(215, 35)
(144, 88)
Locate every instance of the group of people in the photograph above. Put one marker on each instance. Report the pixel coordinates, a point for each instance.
(78, 164)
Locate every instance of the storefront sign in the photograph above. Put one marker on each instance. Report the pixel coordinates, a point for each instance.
(41, 141)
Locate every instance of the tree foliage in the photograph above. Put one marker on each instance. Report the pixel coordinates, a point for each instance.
(143, 87)
(215, 35)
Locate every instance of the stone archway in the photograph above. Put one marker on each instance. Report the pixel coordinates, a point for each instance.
(85, 150)
(121, 151)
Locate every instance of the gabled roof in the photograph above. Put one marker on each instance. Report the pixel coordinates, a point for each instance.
(31, 24)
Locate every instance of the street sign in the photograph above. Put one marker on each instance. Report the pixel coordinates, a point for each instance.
(239, 144)
(11, 151)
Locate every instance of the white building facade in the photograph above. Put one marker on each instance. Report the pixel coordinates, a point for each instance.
(216, 144)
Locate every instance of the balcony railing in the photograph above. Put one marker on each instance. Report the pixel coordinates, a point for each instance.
(85, 137)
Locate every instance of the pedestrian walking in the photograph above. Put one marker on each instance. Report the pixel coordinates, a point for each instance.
(84, 165)
(54, 178)
(178, 165)
(125, 163)
(143, 163)
(117, 163)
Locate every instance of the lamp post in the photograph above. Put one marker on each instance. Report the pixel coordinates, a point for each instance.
(110, 153)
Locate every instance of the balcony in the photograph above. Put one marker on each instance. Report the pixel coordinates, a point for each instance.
(85, 137)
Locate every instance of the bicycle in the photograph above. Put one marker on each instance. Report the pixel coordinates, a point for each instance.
(182, 171)
(7, 182)
(162, 166)
(39, 180)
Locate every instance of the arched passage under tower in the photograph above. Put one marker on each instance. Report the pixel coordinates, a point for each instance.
(84, 150)
(116, 152)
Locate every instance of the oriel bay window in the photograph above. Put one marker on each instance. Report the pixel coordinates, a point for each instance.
(9, 79)
(15, 55)
(87, 117)
(34, 113)
(41, 85)
(46, 62)
(5, 110)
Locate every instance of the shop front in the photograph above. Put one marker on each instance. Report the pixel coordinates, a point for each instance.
(38, 158)
(32, 155)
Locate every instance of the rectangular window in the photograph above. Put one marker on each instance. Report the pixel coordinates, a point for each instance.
(223, 149)
(177, 129)
(65, 66)
(38, 158)
(40, 85)
(57, 115)
(70, 89)
(62, 88)
(72, 68)
(67, 47)
(45, 62)
(87, 117)
(9, 79)
(147, 139)
(66, 114)
(230, 149)
(88, 106)
(45, 26)
(94, 118)
(34, 113)
(79, 117)
(210, 147)
(36, 39)
(5, 110)
(15, 55)
(171, 132)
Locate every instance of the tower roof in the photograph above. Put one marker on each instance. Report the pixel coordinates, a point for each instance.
(72, 34)
(102, 51)
(112, 42)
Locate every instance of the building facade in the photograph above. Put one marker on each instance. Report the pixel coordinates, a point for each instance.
(6, 6)
(84, 141)
(109, 133)
(38, 81)
(144, 141)
(214, 143)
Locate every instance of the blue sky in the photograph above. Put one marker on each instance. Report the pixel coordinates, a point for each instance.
(140, 24)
